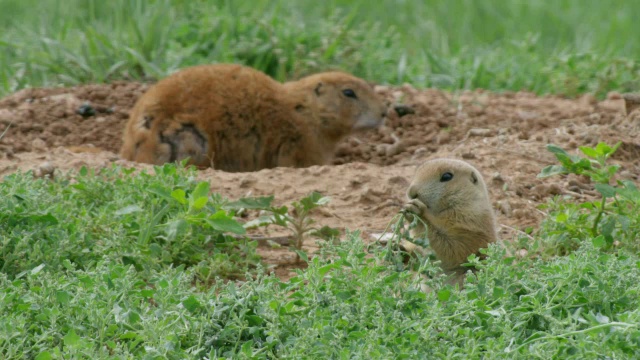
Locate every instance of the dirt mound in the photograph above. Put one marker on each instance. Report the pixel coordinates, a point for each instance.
(503, 135)
(91, 115)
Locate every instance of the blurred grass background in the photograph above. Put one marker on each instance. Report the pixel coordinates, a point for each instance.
(563, 46)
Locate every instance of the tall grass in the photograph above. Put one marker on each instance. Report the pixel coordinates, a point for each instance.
(564, 46)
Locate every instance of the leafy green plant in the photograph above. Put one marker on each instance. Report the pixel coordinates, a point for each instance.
(149, 221)
(401, 225)
(610, 219)
(348, 303)
(299, 220)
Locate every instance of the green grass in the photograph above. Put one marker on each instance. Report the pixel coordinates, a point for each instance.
(147, 221)
(117, 264)
(565, 46)
(352, 306)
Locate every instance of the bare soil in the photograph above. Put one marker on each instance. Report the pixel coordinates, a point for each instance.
(503, 135)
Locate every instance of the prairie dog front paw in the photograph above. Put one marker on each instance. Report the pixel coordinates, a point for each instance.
(415, 206)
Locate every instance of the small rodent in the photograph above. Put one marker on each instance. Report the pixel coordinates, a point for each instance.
(235, 118)
(452, 199)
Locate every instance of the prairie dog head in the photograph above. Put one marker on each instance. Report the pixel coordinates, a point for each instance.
(341, 103)
(449, 184)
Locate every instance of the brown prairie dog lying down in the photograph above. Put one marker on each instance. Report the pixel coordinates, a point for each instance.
(452, 199)
(235, 118)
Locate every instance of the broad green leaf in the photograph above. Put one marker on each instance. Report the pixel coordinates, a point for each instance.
(556, 149)
(179, 195)
(155, 249)
(63, 297)
(552, 170)
(357, 334)
(254, 320)
(498, 292)
(303, 255)
(133, 317)
(327, 233)
(444, 294)
(392, 278)
(222, 222)
(191, 304)
(325, 269)
(599, 241)
(128, 335)
(67, 264)
(611, 170)
(201, 190)
(606, 190)
(45, 355)
(603, 149)
(313, 200)
(199, 203)
(71, 339)
(607, 228)
(345, 295)
(562, 218)
(160, 191)
(589, 151)
(280, 210)
(583, 164)
(46, 219)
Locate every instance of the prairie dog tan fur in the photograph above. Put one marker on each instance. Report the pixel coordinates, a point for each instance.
(452, 199)
(235, 118)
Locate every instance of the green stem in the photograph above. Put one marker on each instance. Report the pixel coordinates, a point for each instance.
(571, 333)
(594, 229)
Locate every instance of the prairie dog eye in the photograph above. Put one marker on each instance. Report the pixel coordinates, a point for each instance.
(349, 93)
(446, 177)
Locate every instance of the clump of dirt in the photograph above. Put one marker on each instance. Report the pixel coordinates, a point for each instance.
(503, 135)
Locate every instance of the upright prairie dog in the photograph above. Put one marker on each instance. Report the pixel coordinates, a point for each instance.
(451, 197)
(235, 118)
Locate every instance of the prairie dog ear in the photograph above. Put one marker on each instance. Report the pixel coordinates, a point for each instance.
(474, 177)
(318, 89)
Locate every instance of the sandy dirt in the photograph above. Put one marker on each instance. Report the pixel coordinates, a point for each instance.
(503, 135)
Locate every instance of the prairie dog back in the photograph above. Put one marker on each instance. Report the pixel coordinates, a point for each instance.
(236, 118)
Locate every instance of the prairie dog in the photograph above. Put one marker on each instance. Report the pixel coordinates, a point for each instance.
(452, 199)
(235, 118)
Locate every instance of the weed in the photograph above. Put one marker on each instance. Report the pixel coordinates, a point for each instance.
(298, 220)
(349, 303)
(611, 220)
(144, 220)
